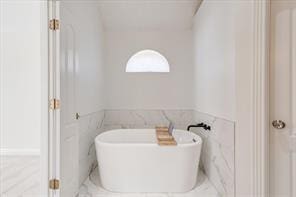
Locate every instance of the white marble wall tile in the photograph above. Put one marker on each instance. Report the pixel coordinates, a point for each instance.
(218, 168)
(116, 119)
(217, 156)
(179, 117)
(224, 132)
(89, 127)
(135, 117)
(84, 123)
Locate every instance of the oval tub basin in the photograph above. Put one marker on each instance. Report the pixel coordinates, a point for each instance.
(130, 160)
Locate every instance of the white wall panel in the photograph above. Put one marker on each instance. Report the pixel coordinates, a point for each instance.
(21, 82)
(214, 58)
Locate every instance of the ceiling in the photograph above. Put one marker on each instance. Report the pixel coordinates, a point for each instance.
(143, 15)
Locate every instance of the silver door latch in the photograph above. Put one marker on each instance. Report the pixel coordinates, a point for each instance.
(278, 124)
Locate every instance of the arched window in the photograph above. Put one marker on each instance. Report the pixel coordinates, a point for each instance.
(147, 61)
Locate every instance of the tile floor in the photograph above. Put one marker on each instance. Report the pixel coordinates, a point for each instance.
(19, 176)
(92, 188)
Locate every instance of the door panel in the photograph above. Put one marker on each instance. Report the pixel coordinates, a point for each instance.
(69, 166)
(282, 97)
(69, 125)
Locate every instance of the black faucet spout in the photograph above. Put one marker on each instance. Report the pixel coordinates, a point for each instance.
(201, 125)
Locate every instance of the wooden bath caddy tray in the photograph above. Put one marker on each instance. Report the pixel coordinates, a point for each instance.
(164, 138)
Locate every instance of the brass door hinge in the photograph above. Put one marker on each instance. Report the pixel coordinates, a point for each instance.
(54, 184)
(54, 24)
(54, 104)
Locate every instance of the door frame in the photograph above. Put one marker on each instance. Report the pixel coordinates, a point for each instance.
(260, 99)
(44, 145)
(54, 95)
(260, 105)
(268, 41)
(252, 93)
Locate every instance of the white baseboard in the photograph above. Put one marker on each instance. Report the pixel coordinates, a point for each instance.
(19, 152)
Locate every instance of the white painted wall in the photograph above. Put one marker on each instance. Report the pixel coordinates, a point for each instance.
(149, 90)
(214, 59)
(21, 77)
(244, 60)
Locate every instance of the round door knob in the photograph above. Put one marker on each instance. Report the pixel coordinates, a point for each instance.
(278, 124)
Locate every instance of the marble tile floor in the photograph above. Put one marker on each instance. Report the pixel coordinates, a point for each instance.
(19, 176)
(92, 188)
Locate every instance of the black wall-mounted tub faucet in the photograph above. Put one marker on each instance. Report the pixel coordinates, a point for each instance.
(201, 125)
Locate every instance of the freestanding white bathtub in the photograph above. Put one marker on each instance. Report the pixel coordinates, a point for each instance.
(130, 160)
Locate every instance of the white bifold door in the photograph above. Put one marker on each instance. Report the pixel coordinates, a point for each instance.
(283, 99)
(64, 158)
(69, 160)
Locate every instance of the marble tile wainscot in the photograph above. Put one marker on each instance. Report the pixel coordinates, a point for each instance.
(123, 119)
(217, 158)
(90, 126)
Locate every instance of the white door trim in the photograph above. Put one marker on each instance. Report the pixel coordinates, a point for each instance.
(260, 101)
(54, 93)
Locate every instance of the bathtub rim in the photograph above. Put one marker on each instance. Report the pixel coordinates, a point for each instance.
(198, 142)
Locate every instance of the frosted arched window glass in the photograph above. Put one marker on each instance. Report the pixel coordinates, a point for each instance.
(147, 61)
